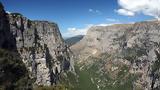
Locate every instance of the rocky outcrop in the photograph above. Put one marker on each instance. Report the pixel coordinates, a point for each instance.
(13, 73)
(7, 41)
(39, 44)
(42, 48)
(136, 43)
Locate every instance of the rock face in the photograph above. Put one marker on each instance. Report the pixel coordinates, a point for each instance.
(136, 45)
(42, 48)
(13, 73)
(7, 40)
(39, 44)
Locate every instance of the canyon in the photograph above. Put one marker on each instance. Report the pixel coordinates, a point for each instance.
(125, 54)
(114, 57)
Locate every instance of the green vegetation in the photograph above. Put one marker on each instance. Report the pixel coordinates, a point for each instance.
(94, 76)
(91, 77)
(57, 87)
(131, 54)
(29, 23)
(85, 82)
(155, 71)
(13, 74)
(156, 65)
(15, 15)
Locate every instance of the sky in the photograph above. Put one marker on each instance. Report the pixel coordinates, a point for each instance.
(75, 17)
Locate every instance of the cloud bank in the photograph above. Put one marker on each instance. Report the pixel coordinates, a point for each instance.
(82, 31)
(133, 7)
(76, 31)
(95, 11)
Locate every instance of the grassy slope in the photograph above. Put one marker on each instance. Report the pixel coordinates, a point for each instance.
(13, 71)
(105, 81)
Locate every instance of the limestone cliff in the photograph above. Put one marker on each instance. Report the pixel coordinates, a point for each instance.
(135, 45)
(39, 44)
(42, 48)
(7, 40)
(13, 73)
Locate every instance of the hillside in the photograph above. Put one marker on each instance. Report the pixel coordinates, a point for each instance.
(121, 56)
(73, 40)
(34, 56)
(33, 50)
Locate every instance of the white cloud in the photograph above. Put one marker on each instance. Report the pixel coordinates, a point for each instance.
(90, 10)
(76, 31)
(8, 12)
(103, 24)
(146, 7)
(95, 11)
(82, 31)
(112, 20)
(125, 12)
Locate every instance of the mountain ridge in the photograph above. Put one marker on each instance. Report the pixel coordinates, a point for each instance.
(33, 55)
(40, 47)
(73, 40)
(135, 45)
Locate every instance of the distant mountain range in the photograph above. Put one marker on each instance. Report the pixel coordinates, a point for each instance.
(73, 40)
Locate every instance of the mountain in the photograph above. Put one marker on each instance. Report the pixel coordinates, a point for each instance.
(34, 56)
(12, 70)
(43, 56)
(73, 40)
(119, 57)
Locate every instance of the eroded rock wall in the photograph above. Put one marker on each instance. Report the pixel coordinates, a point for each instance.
(39, 44)
(136, 43)
(42, 48)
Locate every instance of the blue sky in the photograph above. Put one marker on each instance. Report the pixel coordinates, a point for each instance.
(72, 15)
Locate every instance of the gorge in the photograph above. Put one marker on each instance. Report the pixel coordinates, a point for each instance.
(34, 56)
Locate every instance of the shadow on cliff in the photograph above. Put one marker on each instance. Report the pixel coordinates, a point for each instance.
(7, 40)
(13, 73)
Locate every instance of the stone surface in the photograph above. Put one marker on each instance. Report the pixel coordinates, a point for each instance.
(41, 47)
(13, 73)
(39, 44)
(136, 43)
(7, 41)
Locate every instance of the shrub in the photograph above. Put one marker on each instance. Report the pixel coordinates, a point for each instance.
(13, 73)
